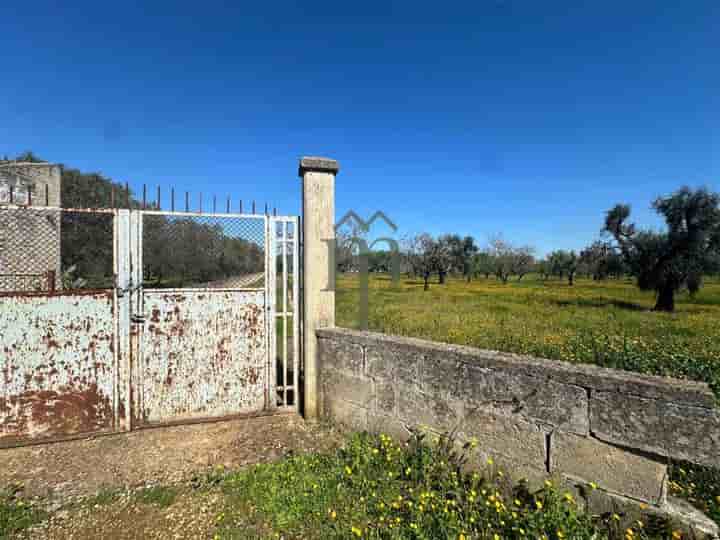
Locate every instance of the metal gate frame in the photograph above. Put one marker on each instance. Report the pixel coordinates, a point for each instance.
(284, 233)
(281, 240)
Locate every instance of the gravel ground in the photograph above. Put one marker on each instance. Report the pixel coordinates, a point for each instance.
(90, 487)
(191, 515)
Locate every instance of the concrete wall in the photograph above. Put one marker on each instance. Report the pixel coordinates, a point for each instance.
(30, 176)
(536, 417)
(318, 196)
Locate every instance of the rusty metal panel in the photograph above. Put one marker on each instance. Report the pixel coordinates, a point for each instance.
(204, 354)
(56, 365)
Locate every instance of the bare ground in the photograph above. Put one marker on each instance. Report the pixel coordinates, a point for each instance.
(65, 476)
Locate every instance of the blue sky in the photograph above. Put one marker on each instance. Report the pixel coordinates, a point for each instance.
(516, 116)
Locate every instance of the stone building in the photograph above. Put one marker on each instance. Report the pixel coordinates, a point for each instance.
(29, 227)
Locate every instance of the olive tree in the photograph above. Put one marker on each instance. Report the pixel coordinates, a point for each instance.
(427, 255)
(563, 263)
(667, 261)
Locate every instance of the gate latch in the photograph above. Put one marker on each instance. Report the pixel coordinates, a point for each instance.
(137, 318)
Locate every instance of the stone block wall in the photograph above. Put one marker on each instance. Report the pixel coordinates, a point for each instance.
(31, 182)
(534, 416)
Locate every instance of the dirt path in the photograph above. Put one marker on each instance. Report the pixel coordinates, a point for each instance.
(191, 515)
(63, 471)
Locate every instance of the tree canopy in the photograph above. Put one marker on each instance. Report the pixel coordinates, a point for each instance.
(667, 261)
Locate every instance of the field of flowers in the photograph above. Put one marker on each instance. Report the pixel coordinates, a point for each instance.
(608, 323)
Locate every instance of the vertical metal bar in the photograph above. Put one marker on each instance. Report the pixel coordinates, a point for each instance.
(47, 195)
(127, 195)
(266, 209)
(253, 207)
(296, 313)
(284, 316)
(116, 318)
(240, 207)
(201, 202)
(158, 198)
(135, 305)
(52, 280)
(275, 212)
(214, 204)
(144, 197)
(270, 365)
(123, 309)
(187, 201)
(172, 199)
(29, 199)
(228, 205)
(12, 192)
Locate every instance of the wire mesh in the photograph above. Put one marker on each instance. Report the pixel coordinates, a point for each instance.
(197, 251)
(51, 249)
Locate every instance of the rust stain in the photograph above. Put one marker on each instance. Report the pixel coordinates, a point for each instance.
(49, 413)
(57, 365)
(203, 354)
(54, 294)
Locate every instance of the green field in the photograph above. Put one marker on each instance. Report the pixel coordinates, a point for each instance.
(608, 323)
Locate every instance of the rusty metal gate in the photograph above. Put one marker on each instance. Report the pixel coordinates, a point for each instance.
(118, 319)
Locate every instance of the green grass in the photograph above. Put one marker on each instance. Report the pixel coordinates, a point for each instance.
(104, 497)
(378, 489)
(16, 513)
(162, 496)
(607, 323)
(699, 485)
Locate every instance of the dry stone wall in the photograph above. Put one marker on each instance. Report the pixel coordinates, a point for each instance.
(538, 417)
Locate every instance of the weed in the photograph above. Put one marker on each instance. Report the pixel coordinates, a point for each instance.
(379, 489)
(16, 513)
(104, 497)
(162, 496)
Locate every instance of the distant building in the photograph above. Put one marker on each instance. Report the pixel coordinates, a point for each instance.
(29, 235)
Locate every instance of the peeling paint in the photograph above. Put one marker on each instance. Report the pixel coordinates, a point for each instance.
(203, 355)
(56, 365)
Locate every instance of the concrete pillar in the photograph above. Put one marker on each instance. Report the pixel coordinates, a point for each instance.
(318, 218)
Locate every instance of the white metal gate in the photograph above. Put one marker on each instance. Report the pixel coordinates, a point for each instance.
(205, 344)
(113, 319)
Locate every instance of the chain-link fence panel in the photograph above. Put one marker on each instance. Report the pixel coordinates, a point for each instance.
(50, 249)
(198, 251)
